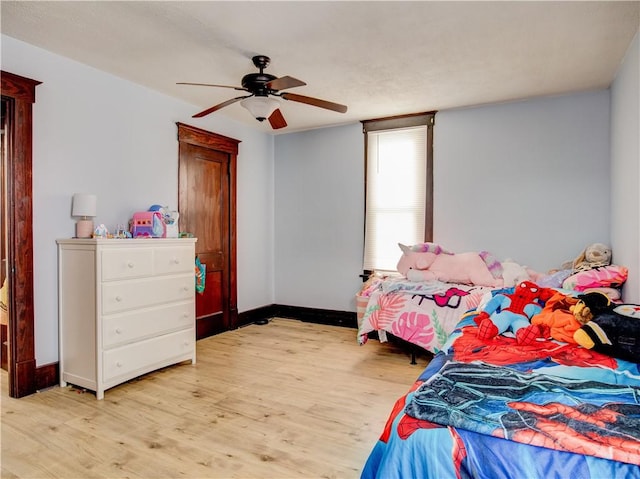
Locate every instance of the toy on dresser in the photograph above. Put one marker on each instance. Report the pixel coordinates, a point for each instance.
(148, 224)
(157, 222)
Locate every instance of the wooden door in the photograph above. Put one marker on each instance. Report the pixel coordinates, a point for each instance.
(207, 210)
(20, 93)
(4, 312)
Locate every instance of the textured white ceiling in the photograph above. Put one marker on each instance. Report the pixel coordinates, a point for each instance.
(379, 58)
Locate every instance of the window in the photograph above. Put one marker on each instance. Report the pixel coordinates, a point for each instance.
(398, 187)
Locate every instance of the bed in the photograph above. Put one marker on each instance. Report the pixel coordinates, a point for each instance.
(423, 301)
(494, 408)
(421, 313)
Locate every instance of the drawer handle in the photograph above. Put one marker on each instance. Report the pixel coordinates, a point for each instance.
(130, 264)
(176, 261)
(119, 364)
(118, 331)
(118, 299)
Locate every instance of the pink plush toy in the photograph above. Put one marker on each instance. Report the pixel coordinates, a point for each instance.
(466, 268)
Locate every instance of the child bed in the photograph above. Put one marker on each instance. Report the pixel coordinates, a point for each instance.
(433, 287)
(423, 302)
(495, 408)
(421, 313)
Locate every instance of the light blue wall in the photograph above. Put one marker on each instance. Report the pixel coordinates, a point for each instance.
(319, 204)
(527, 181)
(625, 171)
(96, 133)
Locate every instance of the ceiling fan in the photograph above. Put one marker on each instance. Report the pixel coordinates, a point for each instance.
(262, 87)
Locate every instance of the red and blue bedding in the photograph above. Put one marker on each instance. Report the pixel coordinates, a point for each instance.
(494, 408)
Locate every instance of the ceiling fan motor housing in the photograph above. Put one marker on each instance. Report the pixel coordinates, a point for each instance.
(256, 83)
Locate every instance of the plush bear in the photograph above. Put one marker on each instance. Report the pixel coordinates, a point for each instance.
(612, 329)
(466, 268)
(593, 256)
(513, 312)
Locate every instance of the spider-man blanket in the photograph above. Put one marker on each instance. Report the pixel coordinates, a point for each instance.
(585, 417)
(497, 409)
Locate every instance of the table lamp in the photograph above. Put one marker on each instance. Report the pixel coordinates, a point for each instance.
(84, 207)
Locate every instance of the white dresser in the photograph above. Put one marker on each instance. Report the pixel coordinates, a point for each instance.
(126, 307)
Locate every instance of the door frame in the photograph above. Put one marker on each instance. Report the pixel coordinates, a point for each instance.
(20, 92)
(213, 141)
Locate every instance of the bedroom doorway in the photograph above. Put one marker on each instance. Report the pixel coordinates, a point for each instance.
(4, 286)
(18, 96)
(207, 206)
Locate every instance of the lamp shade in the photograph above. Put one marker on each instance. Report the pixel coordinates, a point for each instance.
(83, 205)
(261, 107)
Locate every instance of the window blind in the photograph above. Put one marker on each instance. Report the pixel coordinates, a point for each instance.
(396, 193)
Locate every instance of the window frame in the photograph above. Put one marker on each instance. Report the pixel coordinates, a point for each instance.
(399, 122)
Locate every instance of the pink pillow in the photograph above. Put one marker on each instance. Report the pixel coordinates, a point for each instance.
(611, 276)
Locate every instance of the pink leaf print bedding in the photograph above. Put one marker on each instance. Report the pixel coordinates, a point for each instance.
(424, 317)
(415, 326)
(389, 306)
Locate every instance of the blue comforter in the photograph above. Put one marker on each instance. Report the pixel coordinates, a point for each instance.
(497, 409)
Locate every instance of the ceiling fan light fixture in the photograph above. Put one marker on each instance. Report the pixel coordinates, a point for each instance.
(261, 107)
(260, 88)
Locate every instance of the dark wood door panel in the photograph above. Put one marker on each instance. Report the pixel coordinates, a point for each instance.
(209, 325)
(214, 260)
(203, 200)
(207, 198)
(210, 301)
(4, 350)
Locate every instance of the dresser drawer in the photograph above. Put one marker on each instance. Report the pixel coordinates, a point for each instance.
(118, 329)
(124, 263)
(139, 293)
(144, 356)
(173, 260)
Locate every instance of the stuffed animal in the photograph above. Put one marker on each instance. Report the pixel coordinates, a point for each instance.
(512, 312)
(559, 318)
(593, 256)
(467, 268)
(514, 273)
(589, 304)
(613, 329)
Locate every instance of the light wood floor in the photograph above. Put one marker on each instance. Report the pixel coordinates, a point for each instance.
(284, 400)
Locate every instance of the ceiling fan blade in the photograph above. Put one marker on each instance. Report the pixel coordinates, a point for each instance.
(315, 102)
(219, 106)
(277, 120)
(284, 82)
(211, 84)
